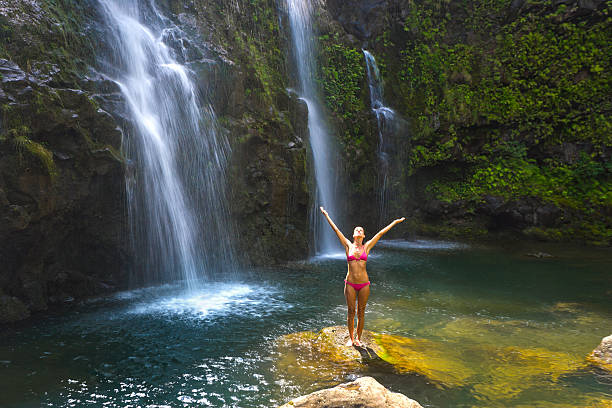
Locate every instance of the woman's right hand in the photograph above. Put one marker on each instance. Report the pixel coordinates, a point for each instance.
(323, 210)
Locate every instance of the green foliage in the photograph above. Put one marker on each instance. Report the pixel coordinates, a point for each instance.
(548, 82)
(258, 42)
(342, 76)
(342, 79)
(6, 34)
(585, 186)
(500, 93)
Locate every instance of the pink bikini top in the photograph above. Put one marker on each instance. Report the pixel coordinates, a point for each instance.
(362, 257)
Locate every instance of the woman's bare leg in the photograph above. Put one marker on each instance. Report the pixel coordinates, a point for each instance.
(362, 299)
(351, 295)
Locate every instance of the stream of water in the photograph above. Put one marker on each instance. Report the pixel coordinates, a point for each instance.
(390, 126)
(502, 329)
(176, 178)
(384, 118)
(324, 154)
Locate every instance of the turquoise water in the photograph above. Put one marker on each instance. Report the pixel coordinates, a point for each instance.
(500, 329)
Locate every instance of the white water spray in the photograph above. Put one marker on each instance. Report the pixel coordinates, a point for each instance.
(176, 185)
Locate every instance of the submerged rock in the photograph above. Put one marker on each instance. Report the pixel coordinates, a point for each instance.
(500, 366)
(364, 392)
(323, 357)
(12, 309)
(602, 355)
(539, 255)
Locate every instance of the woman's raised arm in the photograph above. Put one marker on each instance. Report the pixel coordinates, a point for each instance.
(382, 232)
(345, 242)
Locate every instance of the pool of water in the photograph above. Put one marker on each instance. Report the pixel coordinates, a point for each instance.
(502, 329)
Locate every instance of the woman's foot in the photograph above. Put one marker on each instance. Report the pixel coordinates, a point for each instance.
(349, 343)
(357, 343)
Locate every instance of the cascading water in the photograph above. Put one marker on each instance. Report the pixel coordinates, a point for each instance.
(324, 154)
(387, 122)
(176, 188)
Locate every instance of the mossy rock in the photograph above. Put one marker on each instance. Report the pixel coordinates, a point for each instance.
(434, 360)
(602, 355)
(324, 357)
(498, 371)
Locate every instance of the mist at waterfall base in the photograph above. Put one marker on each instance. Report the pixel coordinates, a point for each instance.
(159, 347)
(325, 158)
(176, 190)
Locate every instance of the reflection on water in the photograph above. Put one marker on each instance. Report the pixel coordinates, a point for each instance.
(465, 327)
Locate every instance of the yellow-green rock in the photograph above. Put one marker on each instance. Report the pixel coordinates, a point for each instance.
(324, 357)
(498, 372)
(602, 355)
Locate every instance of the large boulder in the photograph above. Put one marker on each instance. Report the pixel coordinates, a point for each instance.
(364, 392)
(602, 355)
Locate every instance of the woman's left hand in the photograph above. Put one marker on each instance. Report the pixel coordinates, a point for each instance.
(400, 220)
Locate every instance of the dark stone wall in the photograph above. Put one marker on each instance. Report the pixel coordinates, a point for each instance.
(62, 221)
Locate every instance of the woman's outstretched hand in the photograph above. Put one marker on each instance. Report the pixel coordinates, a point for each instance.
(323, 210)
(400, 220)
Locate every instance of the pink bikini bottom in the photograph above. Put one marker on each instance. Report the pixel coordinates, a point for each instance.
(357, 286)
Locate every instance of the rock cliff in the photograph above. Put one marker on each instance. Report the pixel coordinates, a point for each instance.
(62, 220)
(508, 110)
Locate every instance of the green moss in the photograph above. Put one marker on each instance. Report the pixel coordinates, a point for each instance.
(255, 42)
(342, 79)
(56, 37)
(585, 186)
(496, 96)
(24, 146)
(546, 81)
(6, 37)
(545, 234)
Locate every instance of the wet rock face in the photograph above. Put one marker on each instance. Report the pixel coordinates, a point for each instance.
(393, 31)
(265, 124)
(364, 392)
(365, 19)
(62, 222)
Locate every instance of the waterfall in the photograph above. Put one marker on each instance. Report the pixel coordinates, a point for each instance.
(387, 122)
(325, 157)
(176, 158)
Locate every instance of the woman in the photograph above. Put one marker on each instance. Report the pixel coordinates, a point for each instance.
(357, 284)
